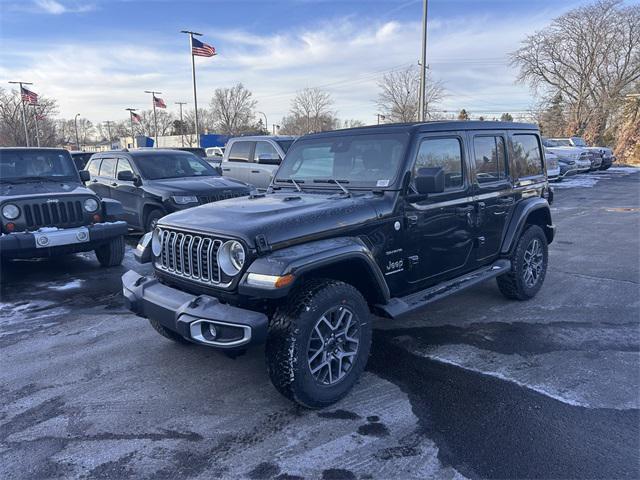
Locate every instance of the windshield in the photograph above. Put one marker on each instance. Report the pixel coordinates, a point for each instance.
(364, 160)
(285, 144)
(30, 164)
(173, 165)
(562, 142)
(579, 142)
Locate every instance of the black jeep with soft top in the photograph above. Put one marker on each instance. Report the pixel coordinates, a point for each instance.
(47, 211)
(374, 220)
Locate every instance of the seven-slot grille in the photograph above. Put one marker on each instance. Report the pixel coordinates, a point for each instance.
(53, 214)
(189, 256)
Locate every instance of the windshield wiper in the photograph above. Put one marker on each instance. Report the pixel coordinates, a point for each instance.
(337, 182)
(35, 178)
(296, 183)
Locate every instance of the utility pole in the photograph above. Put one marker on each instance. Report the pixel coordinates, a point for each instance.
(193, 76)
(108, 124)
(275, 128)
(181, 122)
(75, 123)
(133, 133)
(423, 63)
(266, 123)
(35, 118)
(155, 119)
(24, 111)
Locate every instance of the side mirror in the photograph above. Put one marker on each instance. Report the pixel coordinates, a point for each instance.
(126, 176)
(85, 176)
(269, 160)
(430, 180)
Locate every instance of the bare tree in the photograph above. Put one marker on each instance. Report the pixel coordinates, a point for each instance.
(398, 97)
(506, 117)
(463, 115)
(147, 124)
(591, 56)
(352, 123)
(12, 126)
(628, 138)
(233, 109)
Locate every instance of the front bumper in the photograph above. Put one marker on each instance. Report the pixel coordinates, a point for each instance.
(194, 317)
(47, 242)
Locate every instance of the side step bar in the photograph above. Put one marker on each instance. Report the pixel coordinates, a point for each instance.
(404, 305)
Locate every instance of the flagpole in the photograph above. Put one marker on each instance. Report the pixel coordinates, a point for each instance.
(181, 122)
(193, 76)
(35, 118)
(155, 119)
(133, 136)
(24, 111)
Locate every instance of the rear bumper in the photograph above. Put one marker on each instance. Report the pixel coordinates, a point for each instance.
(194, 317)
(50, 242)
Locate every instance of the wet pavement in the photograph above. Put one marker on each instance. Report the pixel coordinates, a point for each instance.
(474, 386)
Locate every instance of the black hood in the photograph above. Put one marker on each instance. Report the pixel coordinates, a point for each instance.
(196, 185)
(283, 218)
(16, 191)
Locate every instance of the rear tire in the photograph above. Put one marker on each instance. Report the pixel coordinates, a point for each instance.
(152, 219)
(528, 266)
(111, 254)
(166, 333)
(319, 343)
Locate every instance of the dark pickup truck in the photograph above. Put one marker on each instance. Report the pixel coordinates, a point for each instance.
(375, 220)
(46, 210)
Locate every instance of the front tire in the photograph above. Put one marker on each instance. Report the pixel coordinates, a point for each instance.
(152, 219)
(111, 254)
(528, 266)
(319, 343)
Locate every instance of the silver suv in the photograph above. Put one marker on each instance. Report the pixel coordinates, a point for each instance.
(254, 159)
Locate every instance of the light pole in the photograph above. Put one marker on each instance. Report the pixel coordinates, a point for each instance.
(75, 123)
(266, 123)
(155, 119)
(193, 76)
(24, 111)
(133, 133)
(181, 123)
(275, 128)
(423, 63)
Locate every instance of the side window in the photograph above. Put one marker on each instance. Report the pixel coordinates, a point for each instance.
(490, 158)
(240, 152)
(527, 158)
(108, 168)
(445, 153)
(123, 166)
(94, 167)
(265, 149)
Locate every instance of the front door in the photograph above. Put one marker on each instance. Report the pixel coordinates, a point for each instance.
(439, 232)
(265, 162)
(493, 189)
(238, 163)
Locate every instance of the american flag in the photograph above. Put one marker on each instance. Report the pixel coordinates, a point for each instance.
(29, 96)
(136, 118)
(158, 102)
(201, 49)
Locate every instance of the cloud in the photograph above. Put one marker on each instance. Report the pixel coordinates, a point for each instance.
(53, 7)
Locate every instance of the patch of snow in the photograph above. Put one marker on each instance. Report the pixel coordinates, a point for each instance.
(66, 286)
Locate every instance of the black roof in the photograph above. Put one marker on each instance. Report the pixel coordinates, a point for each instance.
(433, 126)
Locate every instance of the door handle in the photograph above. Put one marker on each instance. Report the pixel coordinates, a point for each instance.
(506, 201)
(464, 211)
(226, 169)
(255, 171)
(114, 184)
(94, 181)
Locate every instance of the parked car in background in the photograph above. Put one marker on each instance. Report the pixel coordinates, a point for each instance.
(382, 220)
(47, 211)
(195, 150)
(606, 154)
(553, 166)
(151, 183)
(215, 152)
(255, 159)
(580, 156)
(80, 158)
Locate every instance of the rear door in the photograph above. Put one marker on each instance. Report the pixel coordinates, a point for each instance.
(493, 190)
(266, 160)
(98, 183)
(237, 164)
(127, 194)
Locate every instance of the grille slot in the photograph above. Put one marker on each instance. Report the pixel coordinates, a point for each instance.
(53, 214)
(189, 256)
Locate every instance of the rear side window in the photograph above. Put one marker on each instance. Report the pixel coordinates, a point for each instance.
(266, 150)
(94, 167)
(240, 152)
(445, 153)
(490, 158)
(527, 158)
(108, 168)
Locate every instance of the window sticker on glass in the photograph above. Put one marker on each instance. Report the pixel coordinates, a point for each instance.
(382, 183)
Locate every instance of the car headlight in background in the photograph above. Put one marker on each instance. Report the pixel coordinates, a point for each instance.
(231, 257)
(10, 211)
(184, 199)
(91, 205)
(156, 245)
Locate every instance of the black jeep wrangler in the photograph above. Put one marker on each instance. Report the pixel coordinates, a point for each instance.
(46, 210)
(381, 220)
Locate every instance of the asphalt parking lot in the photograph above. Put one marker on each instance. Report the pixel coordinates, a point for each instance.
(475, 386)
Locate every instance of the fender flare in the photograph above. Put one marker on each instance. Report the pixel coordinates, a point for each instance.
(112, 210)
(304, 258)
(519, 219)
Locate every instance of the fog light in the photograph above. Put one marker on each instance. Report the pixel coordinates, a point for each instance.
(81, 236)
(212, 331)
(43, 241)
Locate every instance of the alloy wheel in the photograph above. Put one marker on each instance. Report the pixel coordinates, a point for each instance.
(533, 263)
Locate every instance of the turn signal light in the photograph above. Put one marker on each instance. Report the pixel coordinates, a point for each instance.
(97, 218)
(10, 227)
(269, 281)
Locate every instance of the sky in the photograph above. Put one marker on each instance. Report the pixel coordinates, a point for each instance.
(98, 57)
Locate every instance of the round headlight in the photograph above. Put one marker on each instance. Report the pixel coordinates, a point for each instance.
(231, 257)
(156, 245)
(91, 205)
(10, 211)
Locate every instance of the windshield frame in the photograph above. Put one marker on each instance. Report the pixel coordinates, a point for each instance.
(138, 160)
(319, 183)
(579, 142)
(73, 176)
